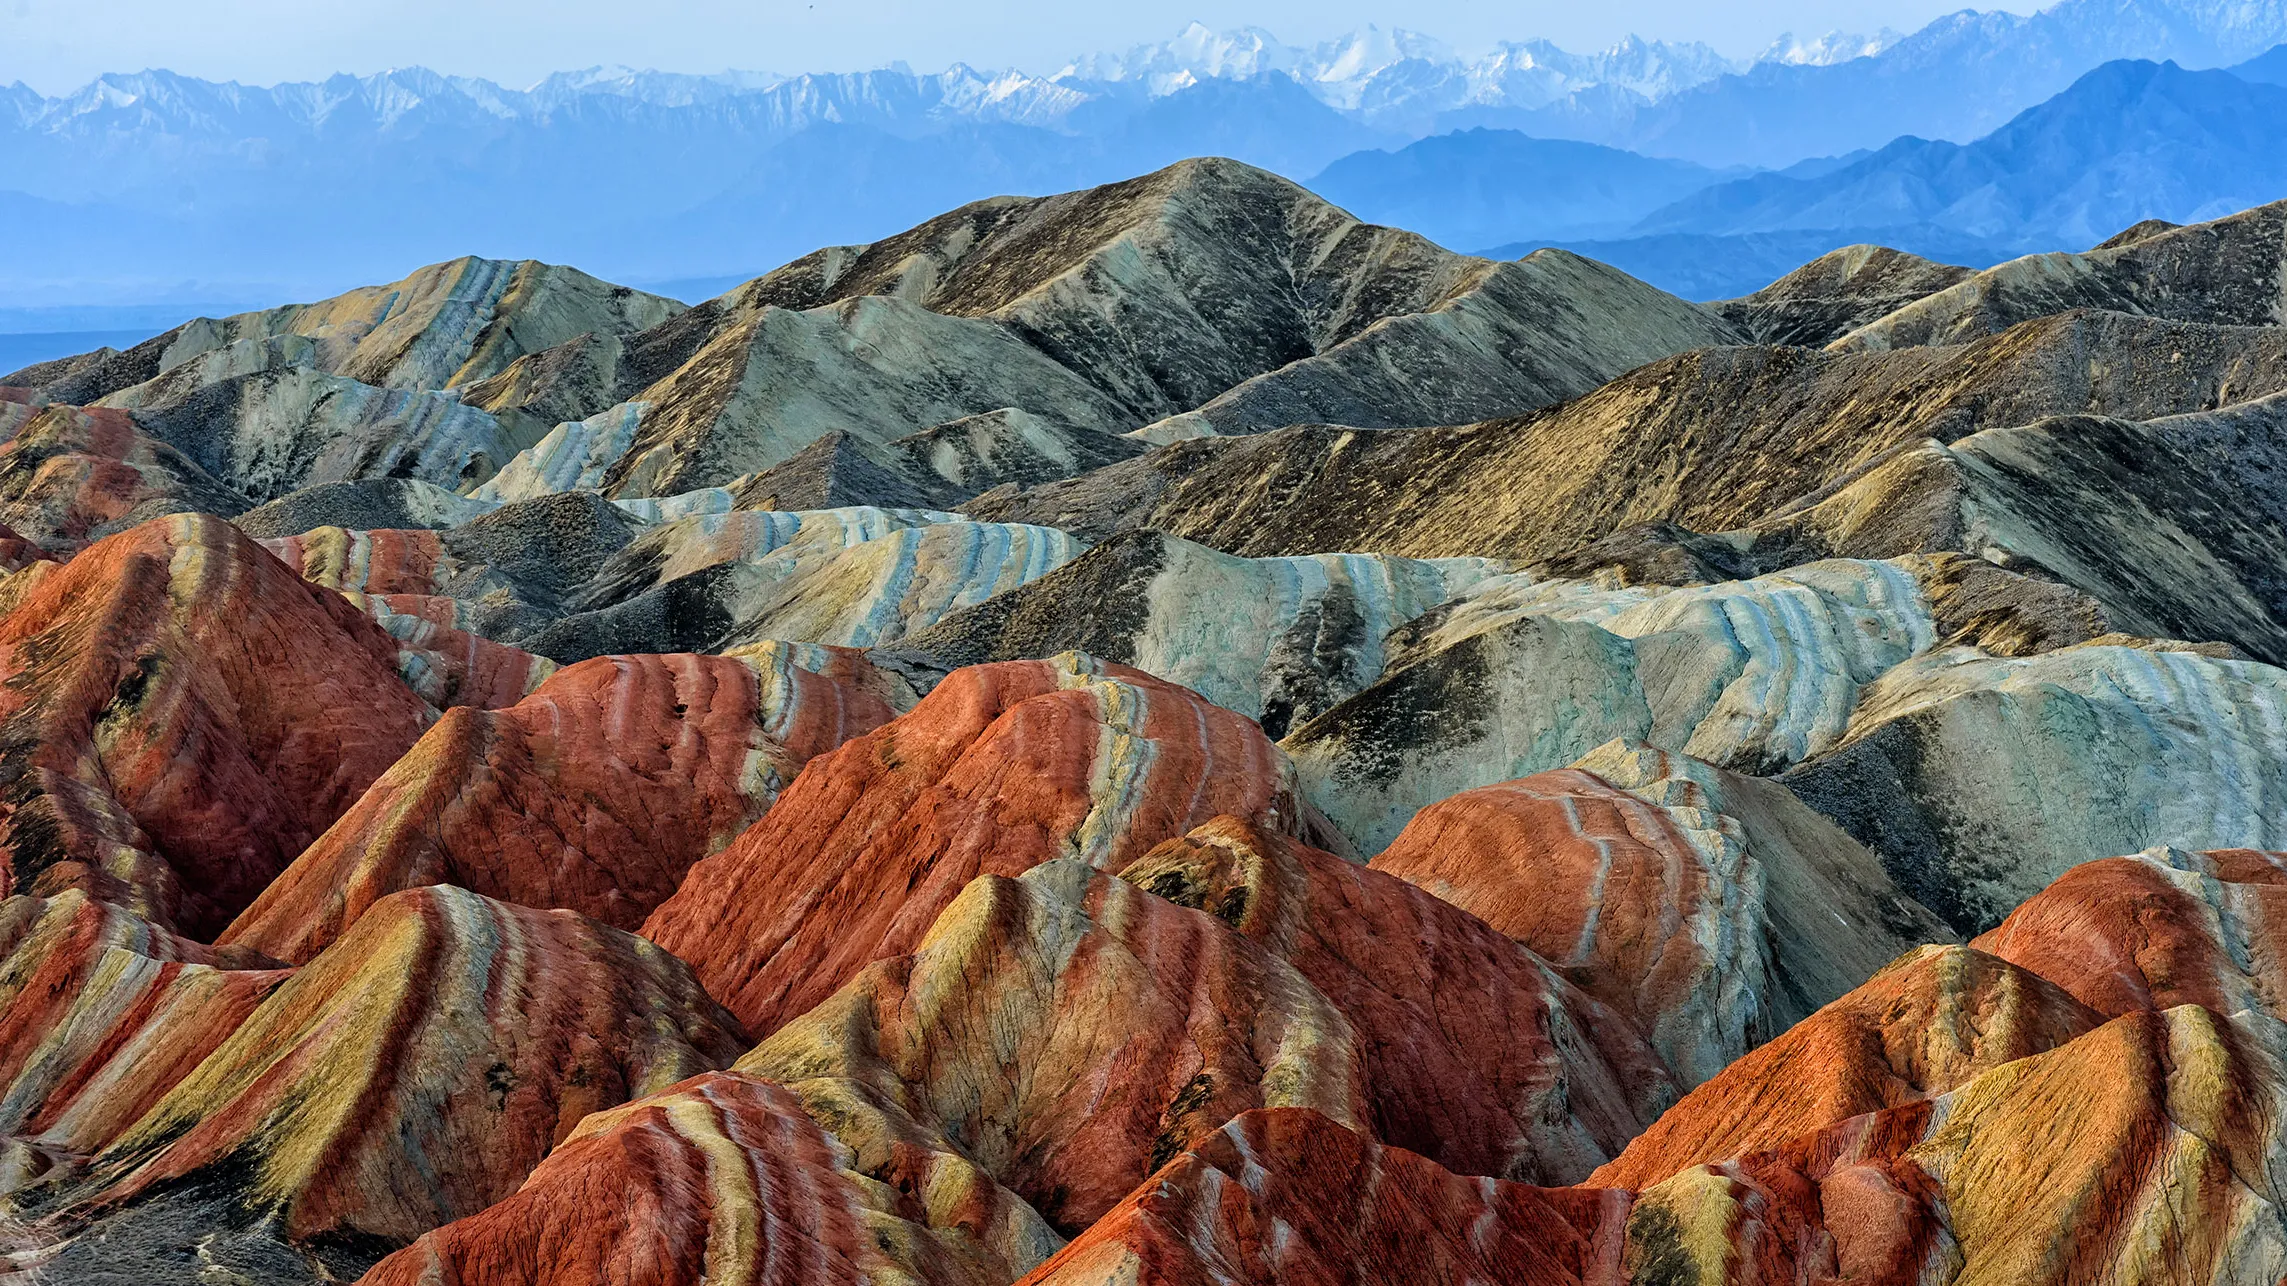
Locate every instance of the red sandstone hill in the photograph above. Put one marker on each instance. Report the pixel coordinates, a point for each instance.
(999, 769)
(1478, 1054)
(596, 793)
(181, 715)
(718, 1174)
(1288, 1195)
(411, 1075)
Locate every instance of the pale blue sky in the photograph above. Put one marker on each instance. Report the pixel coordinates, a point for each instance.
(58, 44)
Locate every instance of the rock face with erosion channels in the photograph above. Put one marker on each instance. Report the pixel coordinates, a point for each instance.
(1532, 1079)
(1067, 1033)
(1288, 1195)
(181, 716)
(411, 1075)
(1714, 909)
(1001, 768)
(721, 1171)
(596, 793)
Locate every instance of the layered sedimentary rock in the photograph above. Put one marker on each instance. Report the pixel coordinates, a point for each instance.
(1837, 293)
(1980, 779)
(1288, 1195)
(2224, 272)
(370, 504)
(2174, 524)
(879, 591)
(70, 476)
(1933, 1020)
(1067, 1033)
(448, 324)
(1280, 639)
(1533, 1079)
(1524, 675)
(1237, 295)
(717, 1176)
(181, 716)
(1713, 909)
(2138, 1152)
(2159, 929)
(447, 665)
(1001, 768)
(1712, 439)
(100, 1015)
(596, 793)
(284, 424)
(412, 1075)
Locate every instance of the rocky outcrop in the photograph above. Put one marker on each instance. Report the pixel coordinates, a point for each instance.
(2156, 930)
(370, 504)
(596, 793)
(879, 591)
(1506, 337)
(1980, 779)
(101, 1014)
(1279, 639)
(1068, 1034)
(448, 324)
(1287, 1195)
(1713, 439)
(2173, 525)
(2118, 1156)
(2225, 272)
(1837, 293)
(1535, 1080)
(720, 1174)
(69, 477)
(180, 716)
(1933, 1020)
(1711, 908)
(286, 425)
(446, 665)
(1000, 768)
(410, 1076)
(1521, 676)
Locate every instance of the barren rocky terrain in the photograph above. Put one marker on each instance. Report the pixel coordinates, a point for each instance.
(1159, 734)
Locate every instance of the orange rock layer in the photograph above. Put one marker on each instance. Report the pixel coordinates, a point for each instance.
(182, 716)
(1002, 767)
(596, 793)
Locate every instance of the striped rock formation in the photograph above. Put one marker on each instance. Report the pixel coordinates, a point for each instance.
(261, 416)
(181, 715)
(999, 769)
(448, 324)
(449, 666)
(689, 545)
(369, 562)
(70, 476)
(1935, 1019)
(399, 578)
(878, 592)
(1752, 675)
(596, 793)
(720, 1178)
(2223, 271)
(2159, 929)
(100, 1015)
(1067, 1034)
(1280, 639)
(1478, 1055)
(369, 504)
(2145, 1151)
(1288, 1195)
(412, 1075)
(1980, 779)
(1715, 910)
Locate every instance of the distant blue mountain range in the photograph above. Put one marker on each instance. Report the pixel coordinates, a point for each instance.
(154, 187)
